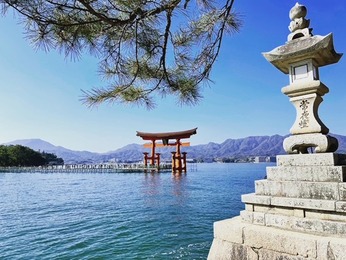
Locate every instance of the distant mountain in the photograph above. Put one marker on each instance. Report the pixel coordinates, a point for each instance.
(130, 152)
(243, 147)
(249, 146)
(35, 144)
(69, 156)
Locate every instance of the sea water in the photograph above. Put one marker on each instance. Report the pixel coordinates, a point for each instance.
(119, 216)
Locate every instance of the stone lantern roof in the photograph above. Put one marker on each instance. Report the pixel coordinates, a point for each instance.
(302, 44)
(319, 48)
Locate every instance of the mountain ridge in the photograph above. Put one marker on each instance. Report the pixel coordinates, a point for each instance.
(230, 148)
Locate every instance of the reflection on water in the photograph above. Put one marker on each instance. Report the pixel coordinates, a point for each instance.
(158, 190)
(179, 184)
(152, 183)
(119, 216)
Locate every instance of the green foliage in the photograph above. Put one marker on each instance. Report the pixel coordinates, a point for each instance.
(145, 47)
(51, 158)
(18, 155)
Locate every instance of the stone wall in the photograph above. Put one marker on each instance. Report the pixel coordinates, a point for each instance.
(298, 212)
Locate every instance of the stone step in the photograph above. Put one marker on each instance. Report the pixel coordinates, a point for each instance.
(316, 159)
(294, 223)
(304, 190)
(307, 173)
(234, 239)
(322, 205)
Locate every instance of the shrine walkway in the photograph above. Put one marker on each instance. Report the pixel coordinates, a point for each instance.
(91, 168)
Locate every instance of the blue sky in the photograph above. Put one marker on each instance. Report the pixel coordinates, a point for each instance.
(40, 91)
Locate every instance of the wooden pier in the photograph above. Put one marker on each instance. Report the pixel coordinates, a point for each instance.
(91, 168)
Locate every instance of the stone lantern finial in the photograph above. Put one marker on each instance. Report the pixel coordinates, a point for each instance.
(299, 26)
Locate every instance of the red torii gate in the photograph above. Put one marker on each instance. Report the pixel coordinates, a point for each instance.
(178, 158)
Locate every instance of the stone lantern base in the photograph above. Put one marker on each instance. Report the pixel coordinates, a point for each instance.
(235, 239)
(298, 212)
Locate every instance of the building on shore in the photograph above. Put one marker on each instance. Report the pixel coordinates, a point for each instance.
(264, 159)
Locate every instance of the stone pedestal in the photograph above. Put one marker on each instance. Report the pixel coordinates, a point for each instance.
(298, 212)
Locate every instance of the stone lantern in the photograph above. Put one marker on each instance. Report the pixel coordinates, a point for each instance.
(301, 58)
(299, 210)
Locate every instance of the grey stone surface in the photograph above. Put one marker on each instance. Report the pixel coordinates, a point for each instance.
(298, 25)
(227, 230)
(300, 142)
(247, 216)
(319, 48)
(265, 242)
(257, 218)
(275, 210)
(340, 206)
(296, 189)
(342, 191)
(331, 248)
(282, 241)
(333, 216)
(249, 207)
(312, 222)
(300, 203)
(255, 199)
(323, 205)
(309, 87)
(225, 250)
(306, 225)
(269, 255)
(323, 159)
(299, 213)
(307, 173)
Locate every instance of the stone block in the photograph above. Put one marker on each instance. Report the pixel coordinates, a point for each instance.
(261, 208)
(246, 216)
(259, 218)
(263, 242)
(249, 207)
(281, 241)
(327, 205)
(307, 173)
(296, 189)
(268, 188)
(282, 211)
(333, 216)
(279, 221)
(264, 254)
(322, 159)
(341, 206)
(280, 173)
(331, 248)
(252, 198)
(230, 230)
(312, 136)
(314, 226)
(342, 191)
(225, 250)
(299, 213)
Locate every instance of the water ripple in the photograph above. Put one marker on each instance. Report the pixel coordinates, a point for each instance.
(119, 216)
